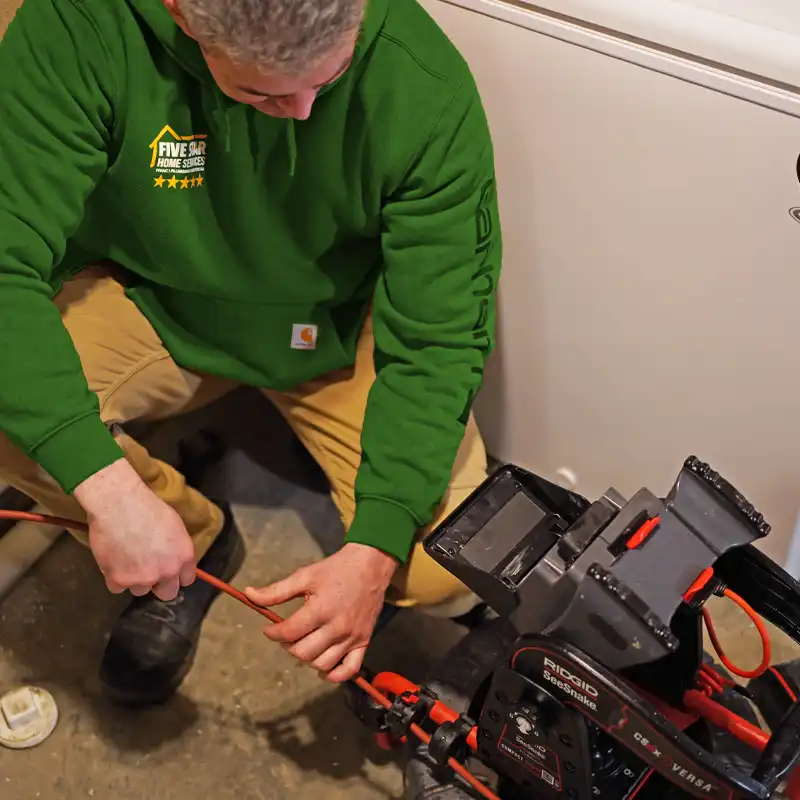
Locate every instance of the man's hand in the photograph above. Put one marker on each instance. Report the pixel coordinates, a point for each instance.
(138, 541)
(344, 595)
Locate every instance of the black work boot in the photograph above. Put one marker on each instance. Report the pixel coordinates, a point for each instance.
(152, 648)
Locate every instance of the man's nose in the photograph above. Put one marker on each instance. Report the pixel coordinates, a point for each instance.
(299, 104)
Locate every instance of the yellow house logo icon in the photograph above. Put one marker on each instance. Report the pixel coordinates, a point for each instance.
(179, 161)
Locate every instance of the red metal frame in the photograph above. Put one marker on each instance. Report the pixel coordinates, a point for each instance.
(723, 718)
(696, 703)
(707, 708)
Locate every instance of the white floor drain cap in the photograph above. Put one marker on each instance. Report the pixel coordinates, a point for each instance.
(28, 715)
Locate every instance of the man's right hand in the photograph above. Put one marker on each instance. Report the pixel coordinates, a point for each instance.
(139, 542)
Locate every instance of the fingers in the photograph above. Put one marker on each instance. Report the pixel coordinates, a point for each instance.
(164, 589)
(349, 667)
(281, 592)
(323, 649)
(188, 574)
(167, 589)
(114, 587)
(311, 646)
(331, 657)
(295, 627)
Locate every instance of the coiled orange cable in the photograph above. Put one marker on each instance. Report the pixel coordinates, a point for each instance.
(766, 659)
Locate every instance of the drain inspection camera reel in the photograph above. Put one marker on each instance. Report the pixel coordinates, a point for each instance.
(592, 683)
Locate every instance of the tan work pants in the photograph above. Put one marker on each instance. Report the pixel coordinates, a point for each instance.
(135, 378)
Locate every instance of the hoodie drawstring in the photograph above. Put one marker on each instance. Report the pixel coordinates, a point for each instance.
(215, 111)
(214, 108)
(292, 142)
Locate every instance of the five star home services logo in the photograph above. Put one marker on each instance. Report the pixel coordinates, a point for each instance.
(180, 161)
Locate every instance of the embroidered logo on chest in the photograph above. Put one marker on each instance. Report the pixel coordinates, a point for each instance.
(179, 162)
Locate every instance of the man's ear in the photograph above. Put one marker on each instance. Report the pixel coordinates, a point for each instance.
(174, 8)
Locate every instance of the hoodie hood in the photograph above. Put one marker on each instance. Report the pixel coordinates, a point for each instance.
(216, 103)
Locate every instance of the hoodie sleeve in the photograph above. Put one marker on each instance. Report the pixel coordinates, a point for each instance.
(433, 318)
(56, 113)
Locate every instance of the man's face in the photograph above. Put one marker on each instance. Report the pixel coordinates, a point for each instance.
(274, 94)
(283, 96)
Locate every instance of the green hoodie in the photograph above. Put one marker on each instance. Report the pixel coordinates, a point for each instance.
(116, 143)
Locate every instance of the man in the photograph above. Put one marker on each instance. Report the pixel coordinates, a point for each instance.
(296, 195)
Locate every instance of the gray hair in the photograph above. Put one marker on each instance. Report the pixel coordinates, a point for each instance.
(290, 36)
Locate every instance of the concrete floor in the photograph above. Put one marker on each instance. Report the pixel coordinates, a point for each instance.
(249, 723)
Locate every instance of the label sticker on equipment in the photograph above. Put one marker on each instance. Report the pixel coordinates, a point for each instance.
(521, 741)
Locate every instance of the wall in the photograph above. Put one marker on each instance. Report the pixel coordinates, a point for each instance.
(756, 36)
(649, 303)
(778, 14)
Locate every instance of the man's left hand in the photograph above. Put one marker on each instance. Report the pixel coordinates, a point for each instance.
(343, 597)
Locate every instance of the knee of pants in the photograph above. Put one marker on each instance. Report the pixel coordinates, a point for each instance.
(423, 582)
(12, 460)
(21, 472)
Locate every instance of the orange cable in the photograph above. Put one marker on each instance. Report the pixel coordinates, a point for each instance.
(711, 680)
(783, 682)
(718, 679)
(762, 630)
(378, 697)
(705, 689)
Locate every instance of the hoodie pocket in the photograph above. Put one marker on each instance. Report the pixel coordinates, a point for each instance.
(269, 345)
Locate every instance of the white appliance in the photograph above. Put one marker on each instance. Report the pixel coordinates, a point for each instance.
(647, 158)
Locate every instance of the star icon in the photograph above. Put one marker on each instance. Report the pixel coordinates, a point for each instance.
(172, 182)
(159, 181)
(194, 182)
(200, 180)
(185, 183)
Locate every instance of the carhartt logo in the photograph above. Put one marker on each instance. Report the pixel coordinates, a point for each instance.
(182, 158)
(304, 337)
